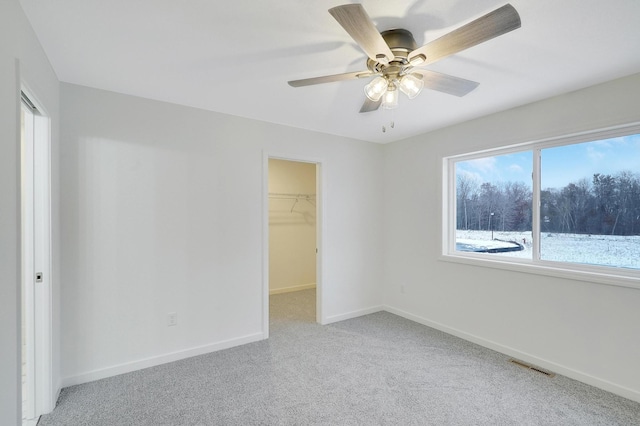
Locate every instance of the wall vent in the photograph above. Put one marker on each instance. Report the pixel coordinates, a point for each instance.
(531, 367)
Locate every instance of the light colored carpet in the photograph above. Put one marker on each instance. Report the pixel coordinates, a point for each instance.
(379, 369)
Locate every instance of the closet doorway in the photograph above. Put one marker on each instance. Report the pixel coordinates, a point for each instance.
(293, 240)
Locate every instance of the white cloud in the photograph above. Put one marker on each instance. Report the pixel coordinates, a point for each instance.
(594, 154)
(485, 165)
(606, 143)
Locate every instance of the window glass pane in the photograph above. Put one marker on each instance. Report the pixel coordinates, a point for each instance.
(590, 203)
(493, 205)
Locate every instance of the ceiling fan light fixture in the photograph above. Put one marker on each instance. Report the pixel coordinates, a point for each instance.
(411, 85)
(376, 88)
(390, 97)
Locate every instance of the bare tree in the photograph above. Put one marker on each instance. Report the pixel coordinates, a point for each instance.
(606, 204)
(466, 188)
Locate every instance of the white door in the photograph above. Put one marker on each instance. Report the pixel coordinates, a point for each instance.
(37, 392)
(28, 260)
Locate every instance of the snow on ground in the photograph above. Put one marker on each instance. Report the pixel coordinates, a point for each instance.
(608, 250)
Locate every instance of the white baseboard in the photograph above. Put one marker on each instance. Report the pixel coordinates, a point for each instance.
(292, 288)
(623, 391)
(158, 360)
(353, 314)
(57, 395)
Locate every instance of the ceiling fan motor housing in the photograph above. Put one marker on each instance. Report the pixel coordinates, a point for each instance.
(401, 43)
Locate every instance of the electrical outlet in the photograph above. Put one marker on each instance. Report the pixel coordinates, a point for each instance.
(402, 288)
(172, 319)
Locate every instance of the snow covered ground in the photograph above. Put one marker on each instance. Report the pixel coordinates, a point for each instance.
(608, 250)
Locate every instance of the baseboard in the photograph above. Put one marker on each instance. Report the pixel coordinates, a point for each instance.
(57, 395)
(352, 314)
(292, 288)
(50, 405)
(548, 365)
(158, 360)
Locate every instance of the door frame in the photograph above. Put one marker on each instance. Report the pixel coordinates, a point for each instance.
(38, 305)
(320, 203)
(27, 285)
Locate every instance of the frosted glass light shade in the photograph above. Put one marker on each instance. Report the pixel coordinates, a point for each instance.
(390, 98)
(376, 88)
(411, 85)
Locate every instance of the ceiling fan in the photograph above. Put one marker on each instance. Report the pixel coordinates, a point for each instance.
(394, 55)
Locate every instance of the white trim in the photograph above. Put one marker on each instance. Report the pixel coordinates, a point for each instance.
(601, 274)
(153, 361)
(536, 202)
(448, 205)
(551, 141)
(321, 196)
(40, 304)
(200, 350)
(28, 261)
(265, 245)
(320, 231)
(543, 268)
(292, 288)
(353, 314)
(623, 391)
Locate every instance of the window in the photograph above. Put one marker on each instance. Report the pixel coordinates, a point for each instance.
(493, 205)
(587, 188)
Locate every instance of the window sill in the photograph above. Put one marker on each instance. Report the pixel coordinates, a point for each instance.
(630, 280)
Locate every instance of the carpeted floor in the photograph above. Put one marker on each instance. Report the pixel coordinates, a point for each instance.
(379, 369)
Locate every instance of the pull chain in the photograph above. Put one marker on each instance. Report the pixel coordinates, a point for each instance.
(392, 123)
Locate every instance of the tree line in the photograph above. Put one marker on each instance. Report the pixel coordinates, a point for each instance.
(606, 204)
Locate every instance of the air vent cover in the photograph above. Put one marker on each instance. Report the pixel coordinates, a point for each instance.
(531, 367)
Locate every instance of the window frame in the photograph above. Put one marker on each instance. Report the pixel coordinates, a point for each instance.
(609, 275)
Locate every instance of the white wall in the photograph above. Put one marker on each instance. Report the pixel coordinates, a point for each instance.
(145, 232)
(162, 212)
(21, 59)
(586, 330)
(292, 226)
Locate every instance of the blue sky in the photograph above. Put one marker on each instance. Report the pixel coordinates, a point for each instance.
(560, 165)
(502, 168)
(566, 164)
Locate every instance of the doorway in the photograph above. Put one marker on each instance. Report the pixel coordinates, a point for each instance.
(36, 295)
(292, 249)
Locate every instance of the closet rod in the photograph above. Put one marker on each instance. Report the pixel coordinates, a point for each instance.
(290, 196)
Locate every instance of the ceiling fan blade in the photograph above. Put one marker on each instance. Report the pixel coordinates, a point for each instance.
(493, 24)
(329, 78)
(370, 105)
(355, 20)
(446, 83)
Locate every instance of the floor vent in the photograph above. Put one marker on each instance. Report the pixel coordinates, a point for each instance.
(531, 367)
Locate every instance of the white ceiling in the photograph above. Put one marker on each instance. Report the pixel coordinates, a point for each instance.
(236, 56)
